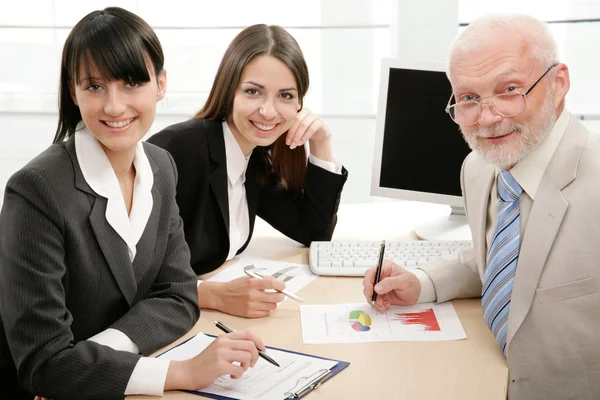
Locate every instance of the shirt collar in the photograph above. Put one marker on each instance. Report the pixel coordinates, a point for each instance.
(237, 162)
(100, 176)
(529, 171)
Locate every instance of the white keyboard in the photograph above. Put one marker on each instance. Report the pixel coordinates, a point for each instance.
(354, 258)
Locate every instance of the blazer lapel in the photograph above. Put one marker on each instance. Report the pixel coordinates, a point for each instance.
(218, 173)
(112, 246)
(145, 247)
(547, 213)
(480, 186)
(252, 189)
(114, 250)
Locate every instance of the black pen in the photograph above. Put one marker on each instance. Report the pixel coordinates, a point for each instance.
(378, 272)
(261, 353)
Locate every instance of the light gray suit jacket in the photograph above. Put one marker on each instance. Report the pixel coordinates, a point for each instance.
(553, 340)
(66, 275)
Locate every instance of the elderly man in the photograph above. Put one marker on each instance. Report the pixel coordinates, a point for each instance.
(531, 189)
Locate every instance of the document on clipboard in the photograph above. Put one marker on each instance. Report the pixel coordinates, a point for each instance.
(297, 376)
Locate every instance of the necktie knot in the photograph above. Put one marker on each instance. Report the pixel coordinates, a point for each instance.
(508, 188)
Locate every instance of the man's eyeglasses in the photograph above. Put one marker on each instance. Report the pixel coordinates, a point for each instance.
(468, 112)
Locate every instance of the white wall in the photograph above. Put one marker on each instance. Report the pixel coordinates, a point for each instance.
(342, 50)
(344, 62)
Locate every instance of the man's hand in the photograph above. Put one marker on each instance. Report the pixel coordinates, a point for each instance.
(396, 286)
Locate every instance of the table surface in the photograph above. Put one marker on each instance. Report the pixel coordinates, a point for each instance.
(464, 369)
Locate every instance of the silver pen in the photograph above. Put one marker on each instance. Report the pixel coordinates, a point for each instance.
(256, 275)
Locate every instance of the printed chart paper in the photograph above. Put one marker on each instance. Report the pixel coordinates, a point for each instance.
(295, 276)
(359, 323)
(264, 381)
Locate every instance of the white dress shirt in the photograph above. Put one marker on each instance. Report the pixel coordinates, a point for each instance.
(239, 220)
(528, 173)
(149, 374)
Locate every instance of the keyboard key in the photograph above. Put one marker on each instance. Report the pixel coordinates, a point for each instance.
(365, 263)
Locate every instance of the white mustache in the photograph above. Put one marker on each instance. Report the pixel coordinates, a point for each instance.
(490, 133)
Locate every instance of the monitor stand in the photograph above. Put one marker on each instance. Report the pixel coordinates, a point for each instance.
(452, 227)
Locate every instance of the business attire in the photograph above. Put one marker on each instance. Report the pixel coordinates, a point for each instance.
(218, 219)
(552, 332)
(85, 287)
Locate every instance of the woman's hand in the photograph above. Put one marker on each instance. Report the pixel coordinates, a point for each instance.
(308, 126)
(244, 297)
(230, 354)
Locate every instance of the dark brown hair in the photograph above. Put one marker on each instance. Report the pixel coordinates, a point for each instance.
(118, 43)
(257, 40)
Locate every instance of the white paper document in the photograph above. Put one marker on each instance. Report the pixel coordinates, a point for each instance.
(264, 381)
(359, 323)
(295, 276)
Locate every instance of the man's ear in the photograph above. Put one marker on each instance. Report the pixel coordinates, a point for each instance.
(561, 83)
(161, 81)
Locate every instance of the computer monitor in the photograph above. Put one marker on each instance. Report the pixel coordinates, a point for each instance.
(419, 150)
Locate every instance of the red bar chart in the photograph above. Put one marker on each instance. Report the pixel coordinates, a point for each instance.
(424, 318)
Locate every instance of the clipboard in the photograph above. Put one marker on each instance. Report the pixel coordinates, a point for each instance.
(303, 387)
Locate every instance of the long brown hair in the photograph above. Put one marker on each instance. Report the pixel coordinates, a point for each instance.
(118, 43)
(257, 40)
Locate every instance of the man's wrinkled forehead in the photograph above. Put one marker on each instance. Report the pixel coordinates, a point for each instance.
(494, 61)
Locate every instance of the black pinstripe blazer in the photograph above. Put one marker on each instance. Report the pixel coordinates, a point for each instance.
(65, 275)
(198, 148)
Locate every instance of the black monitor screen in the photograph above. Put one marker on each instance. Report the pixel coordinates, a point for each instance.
(423, 149)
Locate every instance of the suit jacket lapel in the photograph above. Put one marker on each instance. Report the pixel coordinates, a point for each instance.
(479, 187)
(218, 172)
(145, 247)
(114, 250)
(547, 213)
(252, 188)
(112, 246)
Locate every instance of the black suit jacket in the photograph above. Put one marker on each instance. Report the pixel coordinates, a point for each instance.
(66, 275)
(198, 148)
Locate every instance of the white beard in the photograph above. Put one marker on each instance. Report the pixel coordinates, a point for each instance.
(532, 136)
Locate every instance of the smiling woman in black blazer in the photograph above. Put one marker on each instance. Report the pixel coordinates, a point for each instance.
(243, 155)
(94, 267)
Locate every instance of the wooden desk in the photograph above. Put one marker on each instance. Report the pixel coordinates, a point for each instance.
(465, 369)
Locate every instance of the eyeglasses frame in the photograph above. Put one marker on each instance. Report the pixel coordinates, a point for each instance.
(479, 101)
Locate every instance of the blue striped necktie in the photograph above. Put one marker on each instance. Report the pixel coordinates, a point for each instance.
(502, 259)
